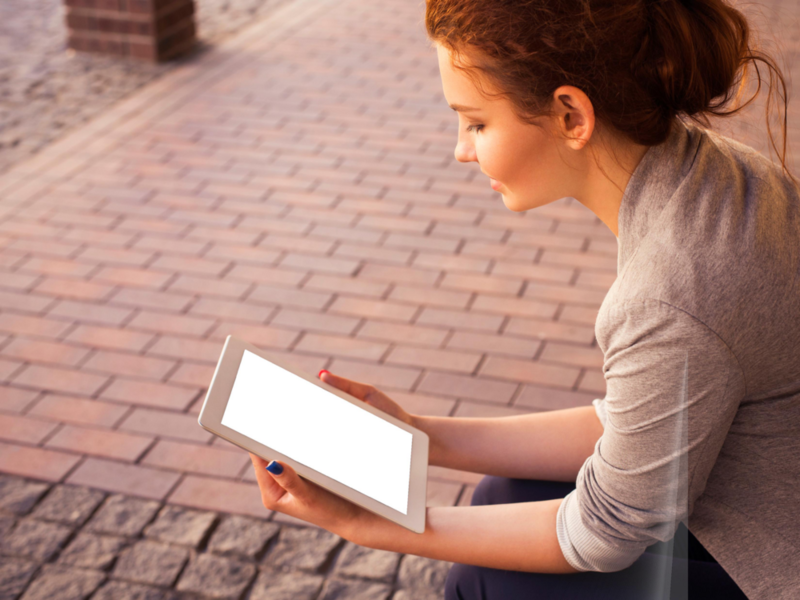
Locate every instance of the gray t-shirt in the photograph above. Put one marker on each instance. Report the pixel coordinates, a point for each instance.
(701, 338)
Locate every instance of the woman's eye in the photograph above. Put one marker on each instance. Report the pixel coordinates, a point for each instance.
(472, 128)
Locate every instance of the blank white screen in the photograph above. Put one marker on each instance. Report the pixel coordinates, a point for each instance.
(320, 430)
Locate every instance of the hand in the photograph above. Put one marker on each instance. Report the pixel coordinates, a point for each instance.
(369, 394)
(288, 493)
(292, 495)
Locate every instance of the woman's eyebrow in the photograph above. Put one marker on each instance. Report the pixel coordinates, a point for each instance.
(459, 108)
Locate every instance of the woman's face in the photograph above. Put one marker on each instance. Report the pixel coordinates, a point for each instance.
(525, 163)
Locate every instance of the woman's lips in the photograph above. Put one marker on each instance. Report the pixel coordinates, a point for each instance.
(495, 184)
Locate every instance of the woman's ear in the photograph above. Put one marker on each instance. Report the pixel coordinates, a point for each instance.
(574, 115)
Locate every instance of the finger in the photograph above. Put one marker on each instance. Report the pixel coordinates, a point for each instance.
(271, 491)
(354, 388)
(288, 479)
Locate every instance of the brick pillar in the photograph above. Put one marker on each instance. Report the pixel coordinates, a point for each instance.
(153, 30)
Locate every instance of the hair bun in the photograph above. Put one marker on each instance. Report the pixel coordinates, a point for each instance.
(691, 54)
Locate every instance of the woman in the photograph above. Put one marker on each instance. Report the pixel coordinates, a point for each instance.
(700, 426)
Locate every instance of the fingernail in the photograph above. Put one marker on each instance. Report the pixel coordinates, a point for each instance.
(321, 372)
(275, 468)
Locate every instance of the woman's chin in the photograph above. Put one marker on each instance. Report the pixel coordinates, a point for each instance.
(513, 203)
(517, 204)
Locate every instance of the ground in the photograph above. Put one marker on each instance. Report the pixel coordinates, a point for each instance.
(47, 90)
(294, 186)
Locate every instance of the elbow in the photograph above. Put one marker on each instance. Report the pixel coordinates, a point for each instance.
(584, 550)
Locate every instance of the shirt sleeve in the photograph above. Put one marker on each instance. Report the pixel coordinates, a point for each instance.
(672, 390)
(600, 408)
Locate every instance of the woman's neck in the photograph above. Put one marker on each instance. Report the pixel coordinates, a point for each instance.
(610, 164)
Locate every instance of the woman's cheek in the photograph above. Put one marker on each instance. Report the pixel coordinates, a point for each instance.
(490, 157)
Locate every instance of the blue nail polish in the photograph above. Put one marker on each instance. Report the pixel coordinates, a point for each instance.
(274, 468)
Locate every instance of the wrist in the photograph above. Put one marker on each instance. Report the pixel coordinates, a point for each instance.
(360, 530)
(422, 423)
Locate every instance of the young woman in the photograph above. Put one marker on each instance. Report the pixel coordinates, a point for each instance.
(700, 425)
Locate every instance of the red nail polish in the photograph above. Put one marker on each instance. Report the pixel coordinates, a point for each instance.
(319, 375)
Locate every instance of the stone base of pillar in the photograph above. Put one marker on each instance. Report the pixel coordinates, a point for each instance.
(152, 30)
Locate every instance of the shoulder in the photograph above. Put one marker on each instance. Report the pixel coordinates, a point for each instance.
(647, 341)
(729, 236)
(722, 163)
(651, 321)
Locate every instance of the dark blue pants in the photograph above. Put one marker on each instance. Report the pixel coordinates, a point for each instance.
(677, 571)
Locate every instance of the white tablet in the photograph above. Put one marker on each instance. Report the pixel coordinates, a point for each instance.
(329, 437)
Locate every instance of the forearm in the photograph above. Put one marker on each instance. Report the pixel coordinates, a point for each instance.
(516, 537)
(547, 445)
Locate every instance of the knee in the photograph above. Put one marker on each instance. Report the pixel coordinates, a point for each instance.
(491, 490)
(461, 583)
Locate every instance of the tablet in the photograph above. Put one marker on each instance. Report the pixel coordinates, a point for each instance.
(329, 437)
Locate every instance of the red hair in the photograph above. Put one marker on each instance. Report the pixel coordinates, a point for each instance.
(640, 62)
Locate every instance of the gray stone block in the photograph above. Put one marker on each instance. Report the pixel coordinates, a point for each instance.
(151, 562)
(178, 525)
(35, 539)
(18, 496)
(286, 585)
(354, 589)
(15, 574)
(242, 536)
(68, 504)
(63, 583)
(122, 590)
(358, 561)
(418, 572)
(302, 548)
(91, 551)
(216, 576)
(123, 515)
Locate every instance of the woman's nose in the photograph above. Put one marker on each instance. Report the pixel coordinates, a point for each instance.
(465, 152)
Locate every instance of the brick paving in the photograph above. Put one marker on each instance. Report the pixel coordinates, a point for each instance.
(297, 188)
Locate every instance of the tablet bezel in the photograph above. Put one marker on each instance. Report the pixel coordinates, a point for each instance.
(216, 400)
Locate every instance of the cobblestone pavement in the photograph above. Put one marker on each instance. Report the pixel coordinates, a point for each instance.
(67, 542)
(46, 89)
(296, 187)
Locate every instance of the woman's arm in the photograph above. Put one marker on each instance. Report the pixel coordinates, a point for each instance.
(516, 537)
(505, 536)
(547, 445)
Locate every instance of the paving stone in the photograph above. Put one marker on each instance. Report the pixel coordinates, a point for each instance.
(286, 585)
(151, 562)
(91, 551)
(420, 572)
(35, 539)
(68, 504)
(354, 589)
(302, 548)
(216, 576)
(413, 595)
(18, 496)
(6, 524)
(123, 515)
(243, 536)
(122, 590)
(178, 525)
(15, 574)
(63, 583)
(358, 561)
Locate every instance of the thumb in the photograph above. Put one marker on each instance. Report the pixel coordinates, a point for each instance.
(288, 479)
